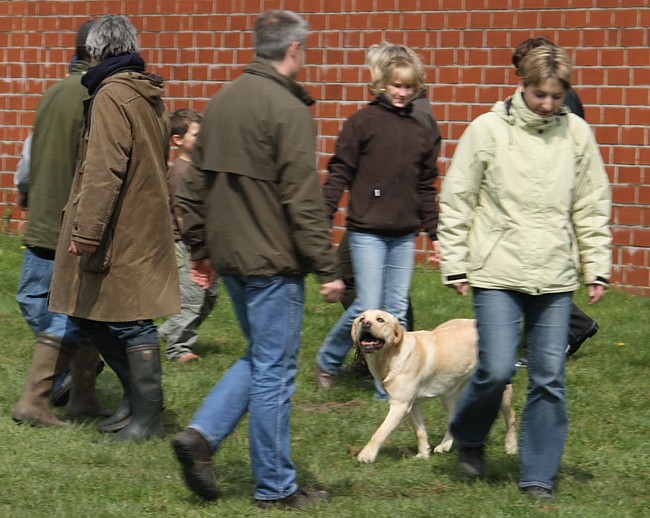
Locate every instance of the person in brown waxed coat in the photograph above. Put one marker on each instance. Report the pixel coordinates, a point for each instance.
(115, 268)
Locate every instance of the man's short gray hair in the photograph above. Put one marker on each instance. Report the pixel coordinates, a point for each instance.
(275, 31)
(112, 35)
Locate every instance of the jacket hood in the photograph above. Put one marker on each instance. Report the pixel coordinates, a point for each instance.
(515, 112)
(262, 67)
(381, 100)
(149, 86)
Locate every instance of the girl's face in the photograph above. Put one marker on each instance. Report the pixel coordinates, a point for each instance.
(546, 98)
(399, 91)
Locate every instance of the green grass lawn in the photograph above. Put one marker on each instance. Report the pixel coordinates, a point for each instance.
(65, 473)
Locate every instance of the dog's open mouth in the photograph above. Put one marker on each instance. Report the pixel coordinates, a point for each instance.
(369, 343)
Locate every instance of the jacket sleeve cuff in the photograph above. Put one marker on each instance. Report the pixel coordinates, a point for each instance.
(458, 277)
(198, 252)
(602, 281)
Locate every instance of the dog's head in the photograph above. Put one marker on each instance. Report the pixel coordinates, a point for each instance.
(374, 329)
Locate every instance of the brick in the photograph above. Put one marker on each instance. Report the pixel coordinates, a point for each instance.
(624, 194)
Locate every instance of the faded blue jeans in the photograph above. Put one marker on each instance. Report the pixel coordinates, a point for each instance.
(545, 421)
(32, 298)
(270, 312)
(383, 269)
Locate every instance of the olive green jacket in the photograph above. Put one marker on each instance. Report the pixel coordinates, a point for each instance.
(252, 202)
(55, 143)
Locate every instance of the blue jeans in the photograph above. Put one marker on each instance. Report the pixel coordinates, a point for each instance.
(270, 312)
(32, 298)
(129, 334)
(383, 269)
(544, 424)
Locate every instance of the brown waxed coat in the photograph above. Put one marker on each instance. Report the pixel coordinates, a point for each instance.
(119, 201)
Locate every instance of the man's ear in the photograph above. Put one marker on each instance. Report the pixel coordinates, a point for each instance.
(177, 140)
(294, 48)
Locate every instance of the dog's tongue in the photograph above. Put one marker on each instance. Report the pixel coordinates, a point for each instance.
(370, 344)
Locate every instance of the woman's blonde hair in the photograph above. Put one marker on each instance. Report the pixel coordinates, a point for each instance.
(385, 60)
(546, 62)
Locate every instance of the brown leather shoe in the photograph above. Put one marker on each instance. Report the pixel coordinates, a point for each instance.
(324, 380)
(195, 455)
(299, 500)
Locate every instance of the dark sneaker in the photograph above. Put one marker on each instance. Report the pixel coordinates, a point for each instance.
(539, 493)
(324, 380)
(63, 383)
(61, 389)
(576, 343)
(471, 460)
(195, 455)
(299, 500)
(522, 363)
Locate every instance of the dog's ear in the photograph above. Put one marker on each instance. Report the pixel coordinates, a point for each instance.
(354, 331)
(399, 332)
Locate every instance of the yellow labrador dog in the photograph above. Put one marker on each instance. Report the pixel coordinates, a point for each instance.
(413, 366)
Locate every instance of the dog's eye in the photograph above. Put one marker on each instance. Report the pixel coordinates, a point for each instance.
(379, 319)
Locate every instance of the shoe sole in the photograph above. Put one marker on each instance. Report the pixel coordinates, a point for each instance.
(195, 482)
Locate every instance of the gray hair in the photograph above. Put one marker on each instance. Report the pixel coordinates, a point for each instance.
(275, 31)
(112, 35)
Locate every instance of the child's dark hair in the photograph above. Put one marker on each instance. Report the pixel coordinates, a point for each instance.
(525, 47)
(181, 120)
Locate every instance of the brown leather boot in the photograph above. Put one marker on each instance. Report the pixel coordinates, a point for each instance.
(50, 359)
(83, 397)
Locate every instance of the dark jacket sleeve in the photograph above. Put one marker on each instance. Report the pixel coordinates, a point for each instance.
(301, 196)
(342, 166)
(188, 203)
(429, 168)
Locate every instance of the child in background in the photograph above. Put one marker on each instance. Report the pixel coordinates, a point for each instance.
(180, 331)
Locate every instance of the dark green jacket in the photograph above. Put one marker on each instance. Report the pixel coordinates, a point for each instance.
(252, 201)
(55, 143)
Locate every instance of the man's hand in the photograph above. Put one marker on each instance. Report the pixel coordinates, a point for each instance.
(21, 200)
(434, 257)
(332, 291)
(596, 292)
(202, 273)
(462, 288)
(78, 248)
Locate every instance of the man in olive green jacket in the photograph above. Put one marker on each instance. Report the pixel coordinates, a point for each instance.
(252, 209)
(55, 142)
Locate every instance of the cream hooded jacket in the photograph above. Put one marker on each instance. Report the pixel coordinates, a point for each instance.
(525, 201)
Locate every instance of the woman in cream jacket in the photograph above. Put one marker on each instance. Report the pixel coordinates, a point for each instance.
(526, 200)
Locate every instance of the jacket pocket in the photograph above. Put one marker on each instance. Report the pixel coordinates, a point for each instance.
(100, 260)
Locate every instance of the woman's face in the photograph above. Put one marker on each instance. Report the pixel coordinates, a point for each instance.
(399, 92)
(546, 98)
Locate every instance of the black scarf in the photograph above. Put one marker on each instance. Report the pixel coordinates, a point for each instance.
(112, 66)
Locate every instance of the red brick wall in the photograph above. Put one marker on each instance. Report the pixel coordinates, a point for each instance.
(466, 44)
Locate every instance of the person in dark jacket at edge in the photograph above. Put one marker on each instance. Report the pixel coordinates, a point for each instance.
(581, 325)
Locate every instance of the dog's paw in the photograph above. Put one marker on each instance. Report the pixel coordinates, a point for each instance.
(366, 456)
(423, 454)
(512, 447)
(443, 447)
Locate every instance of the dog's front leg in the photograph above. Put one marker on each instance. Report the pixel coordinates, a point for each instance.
(508, 411)
(424, 450)
(396, 414)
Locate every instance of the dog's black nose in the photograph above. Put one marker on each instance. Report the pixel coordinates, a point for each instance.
(365, 323)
